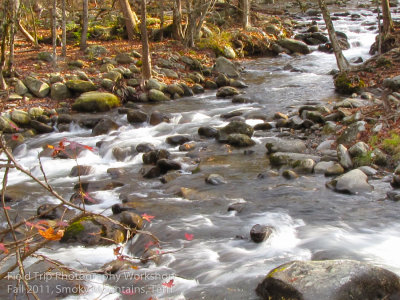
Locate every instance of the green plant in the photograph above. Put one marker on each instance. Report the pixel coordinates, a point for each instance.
(392, 145)
(364, 160)
(216, 42)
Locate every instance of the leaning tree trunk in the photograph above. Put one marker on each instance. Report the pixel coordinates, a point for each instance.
(387, 18)
(64, 29)
(54, 31)
(85, 24)
(177, 21)
(130, 20)
(342, 62)
(146, 60)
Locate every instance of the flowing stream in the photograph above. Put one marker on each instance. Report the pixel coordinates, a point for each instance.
(221, 262)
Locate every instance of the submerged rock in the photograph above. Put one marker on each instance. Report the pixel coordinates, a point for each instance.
(215, 179)
(329, 279)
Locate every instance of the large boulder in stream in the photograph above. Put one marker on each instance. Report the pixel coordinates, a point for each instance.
(294, 46)
(225, 66)
(234, 127)
(281, 145)
(95, 102)
(330, 280)
(352, 182)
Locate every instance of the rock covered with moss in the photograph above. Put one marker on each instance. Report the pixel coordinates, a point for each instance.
(96, 102)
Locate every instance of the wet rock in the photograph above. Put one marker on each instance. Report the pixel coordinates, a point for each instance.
(241, 99)
(314, 116)
(344, 157)
(189, 146)
(279, 115)
(178, 139)
(289, 174)
(104, 127)
(281, 145)
(153, 156)
(54, 213)
(64, 119)
(170, 176)
(303, 165)
(207, 131)
(37, 87)
(121, 154)
(351, 133)
(225, 66)
(152, 173)
(173, 89)
(116, 173)
(211, 85)
(352, 182)
(40, 127)
(89, 122)
(131, 220)
(368, 170)
(187, 91)
(393, 195)
(99, 185)
(79, 197)
(294, 46)
(238, 84)
(166, 165)
(157, 96)
(81, 170)
(157, 117)
(136, 116)
(240, 140)
(236, 127)
(395, 183)
(145, 147)
(215, 179)
(323, 166)
(238, 207)
(94, 231)
(329, 279)
(227, 91)
(260, 233)
(287, 158)
(232, 114)
(95, 102)
(263, 126)
(282, 123)
(197, 89)
(334, 170)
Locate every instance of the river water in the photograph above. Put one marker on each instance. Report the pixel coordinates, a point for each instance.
(221, 262)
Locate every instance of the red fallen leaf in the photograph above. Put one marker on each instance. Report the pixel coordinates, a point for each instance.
(7, 207)
(148, 245)
(3, 248)
(147, 217)
(14, 126)
(88, 148)
(117, 251)
(36, 225)
(169, 284)
(189, 236)
(15, 137)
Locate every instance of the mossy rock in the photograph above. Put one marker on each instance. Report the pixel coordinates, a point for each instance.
(81, 86)
(346, 84)
(96, 102)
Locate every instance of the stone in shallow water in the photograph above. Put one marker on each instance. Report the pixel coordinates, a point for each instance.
(260, 233)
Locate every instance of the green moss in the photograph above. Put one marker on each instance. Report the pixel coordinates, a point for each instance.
(373, 141)
(347, 85)
(73, 230)
(216, 42)
(364, 160)
(276, 270)
(96, 101)
(392, 145)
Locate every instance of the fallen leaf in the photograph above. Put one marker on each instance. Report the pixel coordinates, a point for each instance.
(50, 235)
(3, 248)
(15, 137)
(147, 217)
(189, 236)
(7, 207)
(169, 284)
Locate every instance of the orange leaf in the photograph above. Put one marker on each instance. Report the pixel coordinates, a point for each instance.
(50, 235)
(147, 217)
(50, 146)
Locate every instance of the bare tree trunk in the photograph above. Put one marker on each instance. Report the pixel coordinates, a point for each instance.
(341, 61)
(379, 28)
(5, 27)
(246, 14)
(64, 30)
(33, 24)
(161, 19)
(13, 20)
(177, 21)
(387, 18)
(146, 60)
(85, 24)
(196, 19)
(130, 19)
(54, 31)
